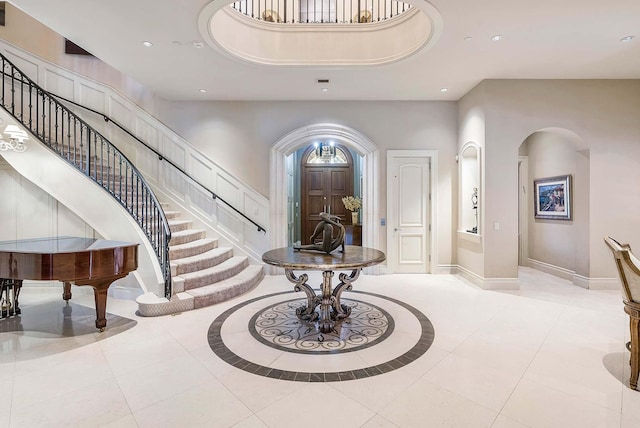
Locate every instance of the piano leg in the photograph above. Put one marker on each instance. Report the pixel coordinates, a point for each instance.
(66, 293)
(100, 288)
(100, 295)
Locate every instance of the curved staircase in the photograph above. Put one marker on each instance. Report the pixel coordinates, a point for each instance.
(202, 273)
(194, 272)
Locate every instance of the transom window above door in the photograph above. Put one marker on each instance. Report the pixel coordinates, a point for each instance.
(327, 153)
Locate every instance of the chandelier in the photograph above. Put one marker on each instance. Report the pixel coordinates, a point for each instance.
(17, 137)
(325, 150)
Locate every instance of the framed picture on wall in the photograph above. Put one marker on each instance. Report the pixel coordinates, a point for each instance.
(552, 197)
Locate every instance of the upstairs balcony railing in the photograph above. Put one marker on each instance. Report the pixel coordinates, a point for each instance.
(321, 11)
(90, 152)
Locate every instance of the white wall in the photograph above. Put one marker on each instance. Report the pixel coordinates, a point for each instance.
(604, 115)
(29, 212)
(471, 129)
(239, 135)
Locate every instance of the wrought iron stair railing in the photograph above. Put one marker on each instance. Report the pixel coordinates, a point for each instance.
(162, 158)
(86, 149)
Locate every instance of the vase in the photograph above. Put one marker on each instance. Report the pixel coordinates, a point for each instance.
(354, 217)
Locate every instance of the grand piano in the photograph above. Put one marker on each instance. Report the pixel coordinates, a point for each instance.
(71, 260)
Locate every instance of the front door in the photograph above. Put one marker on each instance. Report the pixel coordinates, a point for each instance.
(324, 183)
(408, 213)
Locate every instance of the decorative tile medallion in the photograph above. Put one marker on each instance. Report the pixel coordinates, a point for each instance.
(279, 327)
(218, 346)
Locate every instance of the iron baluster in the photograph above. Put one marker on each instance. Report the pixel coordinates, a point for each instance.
(21, 100)
(4, 81)
(30, 107)
(13, 91)
(44, 119)
(120, 176)
(14, 97)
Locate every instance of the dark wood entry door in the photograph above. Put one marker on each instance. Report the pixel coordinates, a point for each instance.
(323, 187)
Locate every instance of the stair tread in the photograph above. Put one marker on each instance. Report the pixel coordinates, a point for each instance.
(187, 232)
(175, 221)
(247, 273)
(228, 264)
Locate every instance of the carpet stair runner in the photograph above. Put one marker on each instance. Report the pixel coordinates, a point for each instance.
(202, 273)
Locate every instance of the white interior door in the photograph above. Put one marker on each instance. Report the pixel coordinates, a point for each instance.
(408, 213)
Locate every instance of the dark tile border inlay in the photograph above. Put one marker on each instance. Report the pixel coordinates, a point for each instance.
(383, 336)
(220, 349)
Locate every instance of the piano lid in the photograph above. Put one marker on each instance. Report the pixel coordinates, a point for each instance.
(66, 258)
(60, 244)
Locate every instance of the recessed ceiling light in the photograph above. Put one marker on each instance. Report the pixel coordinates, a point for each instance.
(444, 89)
(176, 43)
(466, 39)
(497, 37)
(324, 89)
(197, 44)
(147, 44)
(203, 91)
(627, 39)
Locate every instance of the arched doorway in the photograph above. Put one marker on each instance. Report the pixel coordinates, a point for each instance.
(303, 137)
(552, 244)
(326, 175)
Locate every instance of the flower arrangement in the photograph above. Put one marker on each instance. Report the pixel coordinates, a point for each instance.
(351, 203)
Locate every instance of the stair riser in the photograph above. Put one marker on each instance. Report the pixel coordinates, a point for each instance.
(181, 253)
(228, 293)
(177, 240)
(179, 227)
(202, 264)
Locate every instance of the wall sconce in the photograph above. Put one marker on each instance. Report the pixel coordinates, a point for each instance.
(17, 137)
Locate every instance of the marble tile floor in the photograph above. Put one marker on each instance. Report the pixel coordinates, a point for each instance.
(549, 355)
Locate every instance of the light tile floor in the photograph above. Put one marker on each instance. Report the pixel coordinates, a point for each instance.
(549, 355)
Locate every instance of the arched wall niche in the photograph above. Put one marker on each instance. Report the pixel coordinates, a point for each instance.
(303, 137)
(470, 191)
(559, 247)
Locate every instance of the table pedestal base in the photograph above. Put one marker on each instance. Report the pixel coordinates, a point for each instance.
(331, 310)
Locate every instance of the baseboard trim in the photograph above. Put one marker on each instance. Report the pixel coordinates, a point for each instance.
(488, 283)
(597, 283)
(579, 280)
(445, 270)
(558, 271)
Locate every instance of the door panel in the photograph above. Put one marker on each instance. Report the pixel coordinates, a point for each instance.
(315, 180)
(408, 214)
(410, 188)
(411, 249)
(339, 180)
